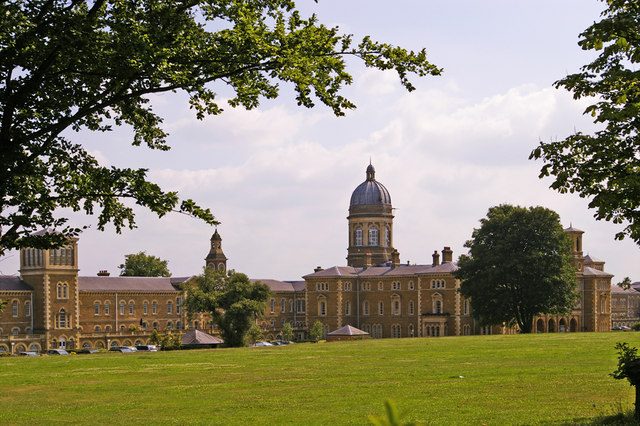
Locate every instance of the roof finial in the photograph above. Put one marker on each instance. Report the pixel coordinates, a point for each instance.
(369, 160)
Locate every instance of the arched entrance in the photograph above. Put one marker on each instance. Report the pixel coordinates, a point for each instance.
(62, 343)
(552, 326)
(573, 325)
(562, 326)
(540, 326)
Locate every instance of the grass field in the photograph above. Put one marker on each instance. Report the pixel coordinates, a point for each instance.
(557, 379)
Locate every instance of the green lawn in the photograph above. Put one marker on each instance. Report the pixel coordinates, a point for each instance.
(453, 380)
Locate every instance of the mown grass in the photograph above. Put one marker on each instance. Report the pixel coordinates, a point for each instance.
(549, 379)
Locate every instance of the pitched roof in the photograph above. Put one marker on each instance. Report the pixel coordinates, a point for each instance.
(13, 283)
(281, 286)
(348, 330)
(572, 229)
(589, 259)
(592, 272)
(134, 284)
(379, 271)
(619, 290)
(197, 337)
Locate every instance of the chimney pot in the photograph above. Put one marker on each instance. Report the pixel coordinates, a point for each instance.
(318, 268)
(103, 273)
(447, 255)
(436, 258)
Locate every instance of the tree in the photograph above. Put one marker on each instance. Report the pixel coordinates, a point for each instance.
(254, 334)
(232, 300)
(519, 265)
(143, 265)
(287, 332)
(77, 66)
(317, 331)
(629, 368)
(605, 166)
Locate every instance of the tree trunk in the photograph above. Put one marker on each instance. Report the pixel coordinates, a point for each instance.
(526, 325)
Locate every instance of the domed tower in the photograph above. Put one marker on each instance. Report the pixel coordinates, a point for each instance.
(216, 258)
(370, 223)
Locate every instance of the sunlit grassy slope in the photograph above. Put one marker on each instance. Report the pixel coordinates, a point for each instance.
(557, 378)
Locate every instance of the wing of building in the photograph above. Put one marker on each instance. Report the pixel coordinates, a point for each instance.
(50, 305)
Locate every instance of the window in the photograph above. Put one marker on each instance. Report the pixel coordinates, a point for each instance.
(96, 308)
(380, 308)
(396, 331)
(283, 306)
(373, 236)
(131, 307)
(61, 319)
(395, 285)
(27, 308)
(466, 307)
(179, 325)
(322, 307)
(437, 284)
(107, 307)
(178, 305)
(347, 308)
(169, 307)
(62, 291)
(365, 308)
(466, 330)
(411, 285)
(290, 305)
(145, 307)
(122, 304)
(365, 286)
(107, 328)
(358, 236)
(122, 328)
(395, 306)
(437, 306)
(15, 331)
(410, 330)
(154, 307)
(155, 325)
(273, 305)
(380, 286)
(300, 306)
(322, 286)
(387, 236)
(96, 329)
(169, 325)
(347, 286)
(411, 307)
(14, 308)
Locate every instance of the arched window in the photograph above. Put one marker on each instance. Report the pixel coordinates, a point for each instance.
(169, 325)
(411, 307)
(273, 306)
(466, 330)
(396, 331)
(178, 325)
(380, 308)
(437, 303)
(61, 319)
(322, 306)
(96, 329)
(467, 307)
(14, 308)
(96, 308)
(155, 325)
(145, 307)
(122, 305)
(107, 307)
(15, 331)
(62, 290)
(27, 308)
(122, 328)
(169, 307)
(283, 306)
(395, 305)
(131, 307)
(358, 236)
(178, 305)
(387, 236)
(107, 328)
(291, 305)
(373, 236)
(365, 307)
(221, 267)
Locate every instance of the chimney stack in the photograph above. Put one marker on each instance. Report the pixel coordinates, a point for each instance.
(395, 258)
(447, 255)
(318, 268)
(436, 258)
(103, 273)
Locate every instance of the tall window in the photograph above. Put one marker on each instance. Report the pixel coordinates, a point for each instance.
(169, 307)
(411, 307)
(387, 236)
(437, 306)
(131, 308)
(347, 308)
(322, 307)
(365, 307)
(14, 308)
(467, 307)
(145, 307)
(61, 319)
(395, 306)
(96, 308)
(300, 306)
(154, 307)
(107, 307)
(273, 305)
(27, 308)
(373, 236)
(178, 305)
(283, 306)
(380, 308)
(358, 236)
(122, 304)
(62, 290)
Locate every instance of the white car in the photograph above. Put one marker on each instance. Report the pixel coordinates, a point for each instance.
(261, 344)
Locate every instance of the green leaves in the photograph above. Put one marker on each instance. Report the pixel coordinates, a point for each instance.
(604, 166)
(144, 265)
(91, 65)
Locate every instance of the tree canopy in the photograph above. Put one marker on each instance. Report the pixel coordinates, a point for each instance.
(81, 66)
(144, 265)
(519, 265)
(232, 300)
(605, 166)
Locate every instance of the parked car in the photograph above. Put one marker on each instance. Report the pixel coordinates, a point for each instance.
(57, 352)
(147, 348)
(261, 344)
(122, 349)
(87, 351)
(625, 328)
(29, 353)
(280, 342)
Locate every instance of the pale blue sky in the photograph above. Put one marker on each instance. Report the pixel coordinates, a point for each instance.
(280, 177)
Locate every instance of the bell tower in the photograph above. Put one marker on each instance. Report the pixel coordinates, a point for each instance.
(216, 258)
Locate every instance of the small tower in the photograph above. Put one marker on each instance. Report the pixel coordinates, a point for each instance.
(576, 245)
(216, 258)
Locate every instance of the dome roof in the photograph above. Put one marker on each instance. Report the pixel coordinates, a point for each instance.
(370, 192)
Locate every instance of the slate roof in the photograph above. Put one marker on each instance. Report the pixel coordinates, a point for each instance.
(347, 330)
(572, 229)
(370, 192)
(282, 286)
(589, 259)
(197, 337)
(619, 290)
(592, 272)
(384, 271)
(13, 283)
(133, 284)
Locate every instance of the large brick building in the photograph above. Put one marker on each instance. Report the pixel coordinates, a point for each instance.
(50, 305)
